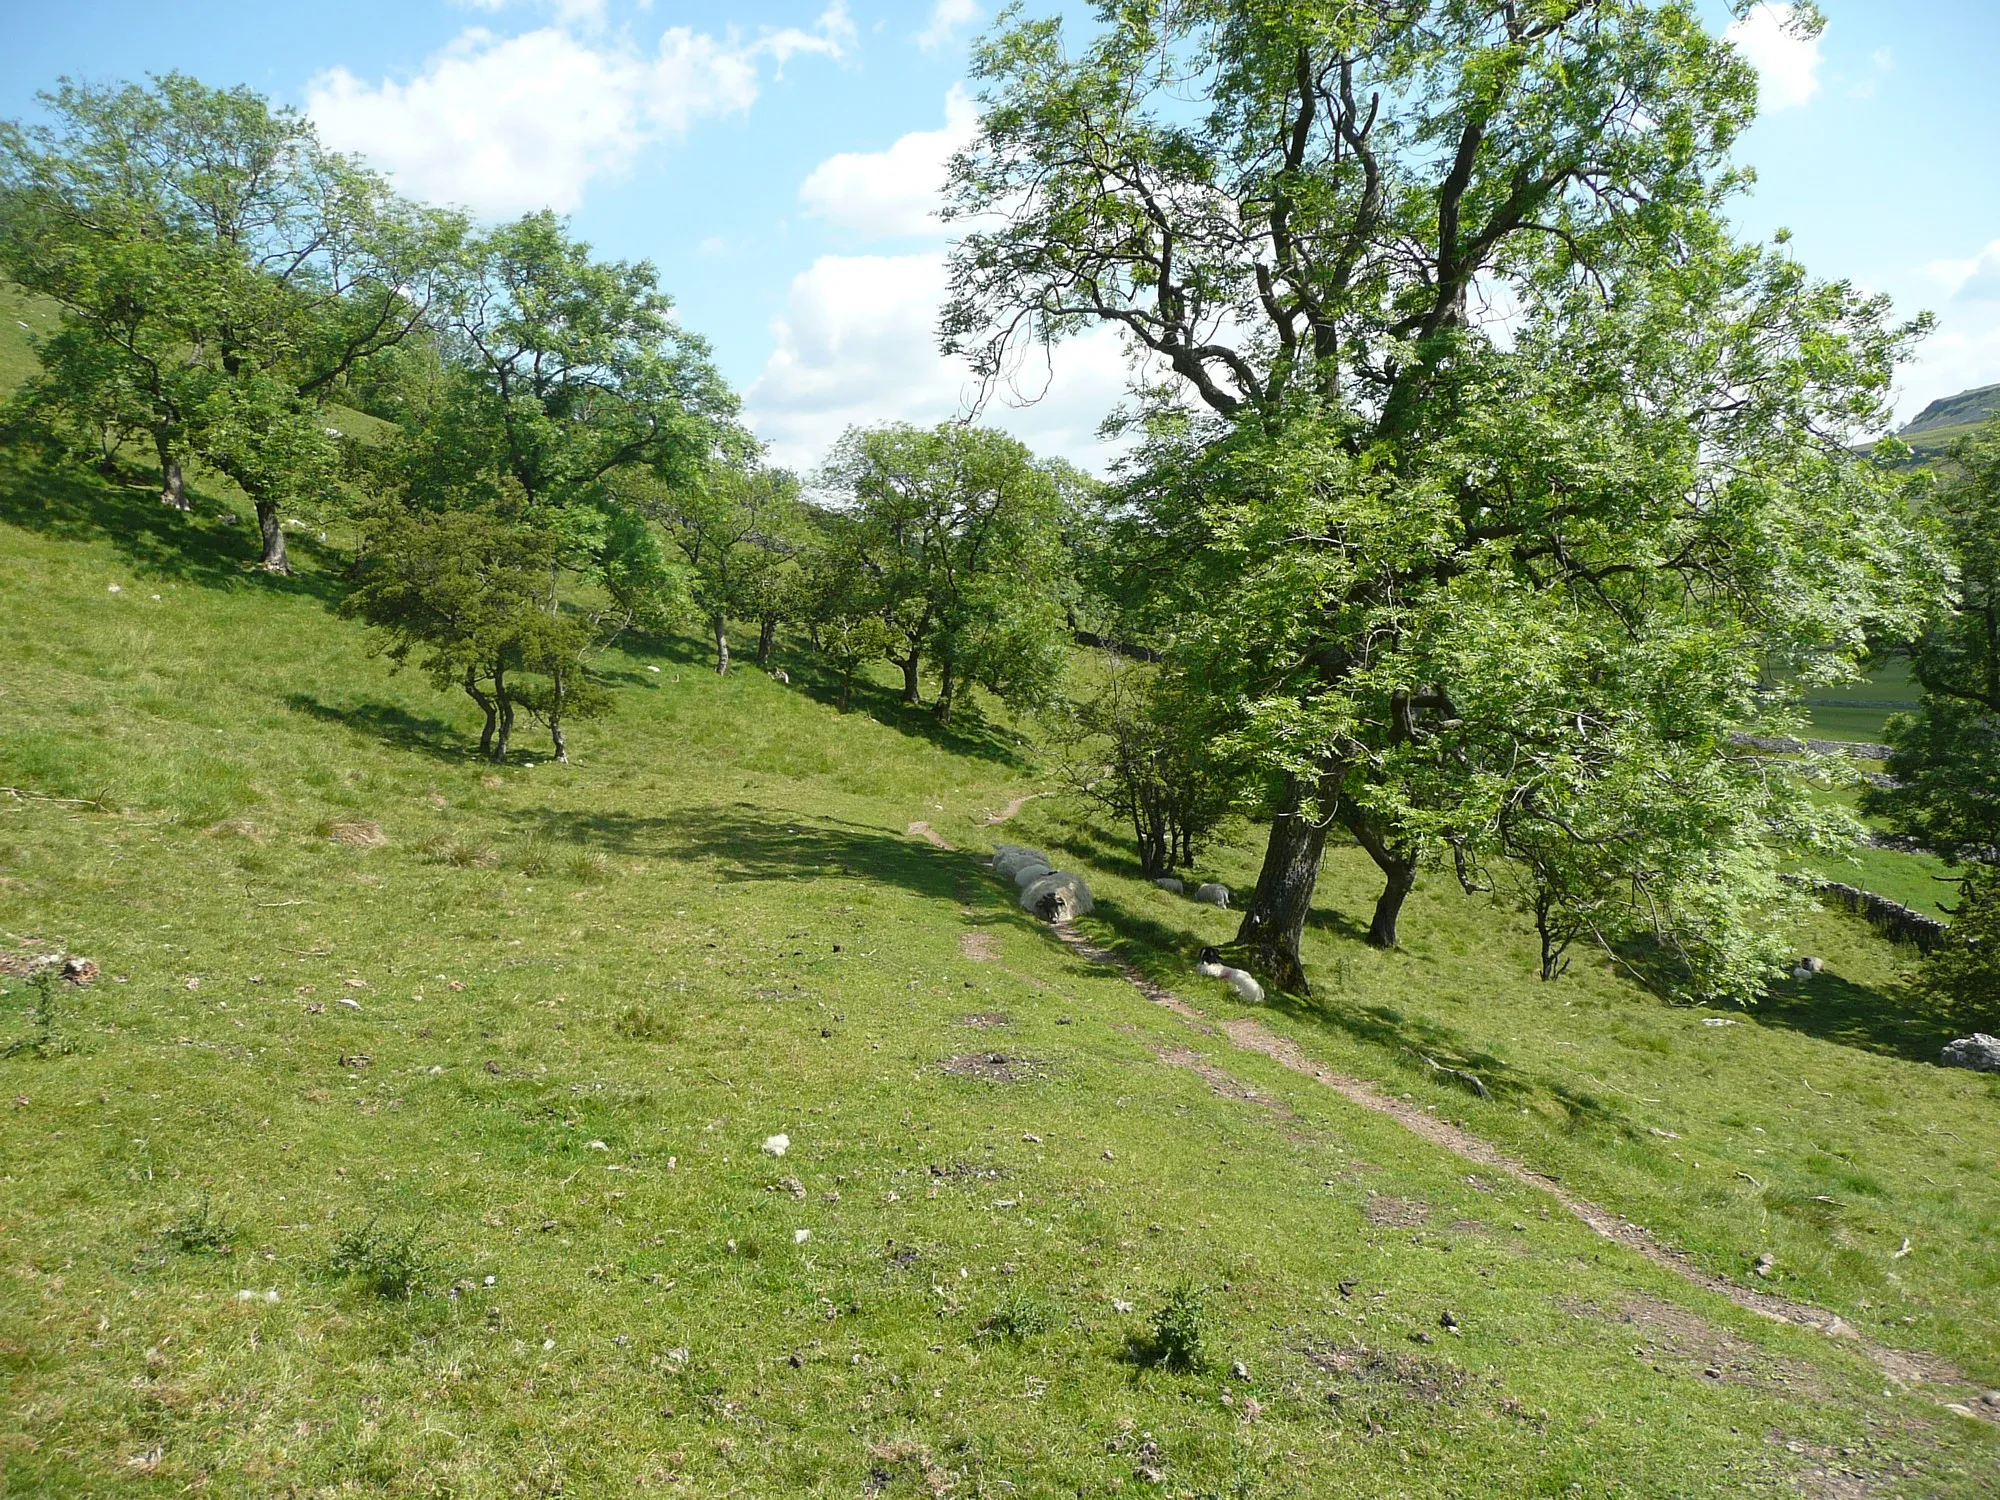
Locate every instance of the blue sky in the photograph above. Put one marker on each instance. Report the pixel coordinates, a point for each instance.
(775, 159)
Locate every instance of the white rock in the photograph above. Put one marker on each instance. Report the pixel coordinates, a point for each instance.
(1058, 897)
(598, 1146)
(777, 1145)
(800, 1236)
(114, 589)
(1979, 1052)
(652, 669)
(1213, 895)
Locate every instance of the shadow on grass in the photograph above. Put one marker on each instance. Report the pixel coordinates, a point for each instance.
(1165, 954)
(1903, 1022)
(210, 548)
(389, 724)
(747, 844)
(967, 733)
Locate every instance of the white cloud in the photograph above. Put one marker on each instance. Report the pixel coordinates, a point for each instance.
(1964, 350)
(857, 344)
(897, 191)
(1974, 280)
(947, 17)
(1787, 61)
(505, 125)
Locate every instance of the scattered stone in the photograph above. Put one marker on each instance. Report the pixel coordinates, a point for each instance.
(993, 1067)
(1979, 1052)
(1171, 884)
(349, 1001)
(776, 1145)
(1120, 1305)
(1032, 1139)
(1449, 1323)
(790, 1185)
(800, 1236)
(597, 1146)
(78, 971)
(1213, 895)
(1766, 1265)
(1238, 1370)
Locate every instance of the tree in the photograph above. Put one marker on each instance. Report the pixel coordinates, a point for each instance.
(734, 526)
(1946, 760)
(1143, 748)
(959, 534)
(469, 594)
(220, 274)
(1447, 356)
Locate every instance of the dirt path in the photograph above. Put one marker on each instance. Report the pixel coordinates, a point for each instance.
(924, 831)
(1899, 1365)
(1012, 810)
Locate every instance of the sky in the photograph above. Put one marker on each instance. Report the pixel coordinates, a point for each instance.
(777, 160)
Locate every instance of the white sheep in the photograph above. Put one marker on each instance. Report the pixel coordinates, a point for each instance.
(1214, 895)
(1245, 986)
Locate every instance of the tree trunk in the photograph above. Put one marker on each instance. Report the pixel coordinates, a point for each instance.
(486, 706)
(767, 637)
(1398, 864)
(505, 705)
(273, 531)
(721, 627)
(846, 689)
(947, 687)
(911, 693)
(555, 719)
(1276, 915)
(173, 489)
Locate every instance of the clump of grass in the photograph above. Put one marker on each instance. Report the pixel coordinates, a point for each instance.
(588, 866)
(1020, 1317)
(199, 1229)
(469, 856)
(638, 1024)
(358, 833)
(1179, 1329)
(394, 1266)
(538, 858)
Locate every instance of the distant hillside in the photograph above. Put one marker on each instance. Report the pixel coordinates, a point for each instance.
(1949, 418)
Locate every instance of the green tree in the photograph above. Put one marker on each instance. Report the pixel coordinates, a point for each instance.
(220, 274)
(1946, 761)
(959, 533)
(469, 594)
(736, 527)
(1454, 383)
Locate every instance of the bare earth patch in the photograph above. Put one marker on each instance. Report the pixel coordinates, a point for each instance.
(360, 833)
(986, 1020)
(1422, 1379)
(994, 1067)
(1386, 1212)
(980, 947)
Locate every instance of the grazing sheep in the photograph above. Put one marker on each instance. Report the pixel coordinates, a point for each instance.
(1057, 897)
(1246, 987)
(1214, 895)
(1169, 883)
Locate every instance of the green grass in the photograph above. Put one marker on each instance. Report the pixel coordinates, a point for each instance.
(584, 996)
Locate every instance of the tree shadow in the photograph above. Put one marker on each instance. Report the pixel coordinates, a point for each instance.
(212, 547)
(746, 843)
(389, 724)
(1903, 1022)
(968, 733)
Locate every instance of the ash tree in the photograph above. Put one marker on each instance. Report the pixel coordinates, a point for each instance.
(220, 276)
(736, 526)
(1945, 760)
(958, 537)
(1478, 457)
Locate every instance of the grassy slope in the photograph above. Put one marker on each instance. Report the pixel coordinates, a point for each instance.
(713, 927)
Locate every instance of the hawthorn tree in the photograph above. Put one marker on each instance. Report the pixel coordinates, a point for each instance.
(220, 274)
(958, 537)
(1478, 454)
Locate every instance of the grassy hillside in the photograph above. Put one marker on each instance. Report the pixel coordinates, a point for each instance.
(375, 1016)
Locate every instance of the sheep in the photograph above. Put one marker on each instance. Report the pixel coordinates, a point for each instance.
(1169, 883)
(1026, 875)
(1214, 895)
(1245, 986)
(1057, 897)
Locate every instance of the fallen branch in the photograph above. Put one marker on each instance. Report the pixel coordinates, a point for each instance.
(1470, 1080)
(19, 795)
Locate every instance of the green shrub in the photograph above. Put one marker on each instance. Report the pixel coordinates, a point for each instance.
(391, 1265)
(1179, 1324)
(199, 1229)
(1018, 1317)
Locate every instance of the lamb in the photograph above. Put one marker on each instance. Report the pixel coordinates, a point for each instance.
(1245, 986)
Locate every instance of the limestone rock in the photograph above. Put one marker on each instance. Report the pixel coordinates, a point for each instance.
(1979, 1052)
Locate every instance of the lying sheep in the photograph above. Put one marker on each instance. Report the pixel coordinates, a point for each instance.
(1169, 883)
(1213, 895)
(1057, 897)
(1010, 857)
(1026, 875)
(1245, 986)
